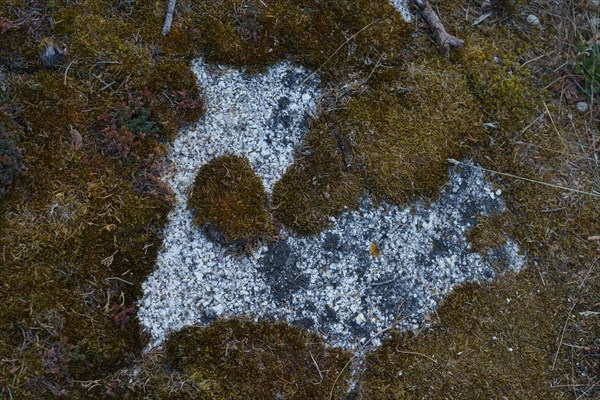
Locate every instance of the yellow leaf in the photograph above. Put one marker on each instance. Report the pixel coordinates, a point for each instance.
(375, 250)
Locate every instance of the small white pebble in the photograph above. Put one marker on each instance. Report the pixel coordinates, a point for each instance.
(218, 309)
(533, 20)
(582, 106)
(510, 349)
(360, 318)
(498, 192)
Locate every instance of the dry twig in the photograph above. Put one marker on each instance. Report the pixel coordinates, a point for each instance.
(169, 18)
(445, 40)
(456, 162)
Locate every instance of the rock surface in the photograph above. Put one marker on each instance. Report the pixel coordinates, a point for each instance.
(332, 283)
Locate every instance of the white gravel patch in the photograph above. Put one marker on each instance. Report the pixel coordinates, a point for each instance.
(402, 7)
(330, 283)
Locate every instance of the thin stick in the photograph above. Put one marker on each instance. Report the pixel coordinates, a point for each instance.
(118, 279)
(67, 71)
(383, 283)
(417, 354)
(169, 18)
(554, 126)
(381, 332)
(572, 385)
(562, 336)
(317, 367)
(339, 48)
(445, 40)
(456, 162)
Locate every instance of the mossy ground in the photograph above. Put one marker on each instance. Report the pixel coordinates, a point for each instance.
(80, 229)
(527, 335)
(258, 361)
(228, 195)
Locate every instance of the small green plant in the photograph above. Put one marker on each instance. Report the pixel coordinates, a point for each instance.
(131, 125)
(588, 66)
(136, 119)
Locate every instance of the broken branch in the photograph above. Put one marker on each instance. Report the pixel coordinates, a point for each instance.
(443, 38)
(169, 18)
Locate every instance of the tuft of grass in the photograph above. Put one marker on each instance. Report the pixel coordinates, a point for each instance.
(588, 66)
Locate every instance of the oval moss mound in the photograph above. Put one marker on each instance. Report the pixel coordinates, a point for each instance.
(229, 199)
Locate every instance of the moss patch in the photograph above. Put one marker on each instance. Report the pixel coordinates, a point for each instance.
(403, 136)
(394, 142)
(229, 196)
(491, 232)
(74, 255)
(319, 184)
(340, 39)
(493, 350)
(239, 359)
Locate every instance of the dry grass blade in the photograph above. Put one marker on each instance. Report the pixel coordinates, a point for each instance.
(456, 162)
(338, 49)
(107, 262)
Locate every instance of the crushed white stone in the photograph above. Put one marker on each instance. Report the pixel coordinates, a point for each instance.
(402, 7)
(330, 283)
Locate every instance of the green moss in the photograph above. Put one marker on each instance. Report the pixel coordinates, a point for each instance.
(228, 195)
(50, 106)
(320, 184)
(240, 359)
(57, 291)
(505, 90)
(338, 38)
(482, 346)
(394, 142)
(490, 233)
(402, 137)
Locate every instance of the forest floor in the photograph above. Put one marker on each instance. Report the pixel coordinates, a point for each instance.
(93, 98)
